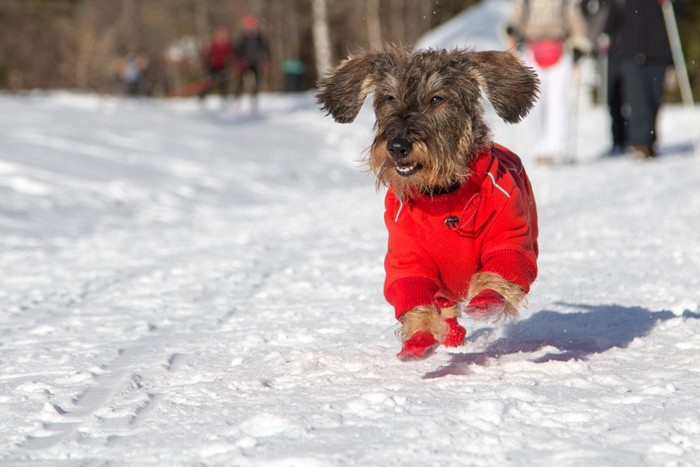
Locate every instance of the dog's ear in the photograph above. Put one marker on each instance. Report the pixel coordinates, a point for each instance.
(342, 92)
(510, 86)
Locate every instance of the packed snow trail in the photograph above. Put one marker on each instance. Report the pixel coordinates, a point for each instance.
(183, 286)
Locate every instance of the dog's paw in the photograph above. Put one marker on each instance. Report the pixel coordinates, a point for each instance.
(456, 334)
(419, 346)
(486, 304)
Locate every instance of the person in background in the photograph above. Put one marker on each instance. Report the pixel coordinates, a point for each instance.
(552, 35)
(610, 43)
(132, 73)
(219, 58)
(253, 58)
(129, 71)
(598, 14)
(644, 55)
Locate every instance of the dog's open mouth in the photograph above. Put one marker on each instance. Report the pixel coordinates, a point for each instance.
(406, 169)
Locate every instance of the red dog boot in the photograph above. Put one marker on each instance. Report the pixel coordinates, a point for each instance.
(449, 311)
(456, 334)
(420, 345)
(485, 304)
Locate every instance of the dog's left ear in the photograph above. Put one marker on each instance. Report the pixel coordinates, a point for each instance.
(342, 92)
(510, 86)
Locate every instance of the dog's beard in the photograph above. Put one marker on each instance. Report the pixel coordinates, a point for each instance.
(424, 171)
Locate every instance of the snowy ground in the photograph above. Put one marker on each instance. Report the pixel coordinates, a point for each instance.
(183, 286)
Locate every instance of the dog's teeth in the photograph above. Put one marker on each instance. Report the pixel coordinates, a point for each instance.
(406, 169)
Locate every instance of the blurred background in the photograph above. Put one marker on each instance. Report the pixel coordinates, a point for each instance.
(84, 44)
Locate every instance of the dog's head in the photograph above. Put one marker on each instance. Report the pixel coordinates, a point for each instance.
(428, 108)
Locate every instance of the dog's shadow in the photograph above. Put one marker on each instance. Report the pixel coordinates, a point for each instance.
(548, 336)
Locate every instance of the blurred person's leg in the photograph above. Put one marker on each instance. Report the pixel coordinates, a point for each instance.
(209, 78)
(551, 114)
(657, 74)
(618, 125)
(643, 85)
(255, 76)
(558, 119)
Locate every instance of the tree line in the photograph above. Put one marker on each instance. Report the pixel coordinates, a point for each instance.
(81, 44)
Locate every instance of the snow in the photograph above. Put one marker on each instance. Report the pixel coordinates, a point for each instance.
(184, 286)
(481, 26)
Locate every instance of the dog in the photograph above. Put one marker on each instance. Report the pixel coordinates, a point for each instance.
(460, 211)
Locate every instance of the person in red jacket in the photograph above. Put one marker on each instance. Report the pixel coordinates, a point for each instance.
(444, 247)
(219, 58)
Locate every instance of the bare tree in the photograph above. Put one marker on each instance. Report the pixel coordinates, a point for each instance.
(81, 38)
(374, 24)
(322, 40)
(395, 21)
(87, 46)
(418, 18)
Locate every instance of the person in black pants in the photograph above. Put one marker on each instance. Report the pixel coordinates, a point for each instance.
(615, 91)
(253, 58)
(607, 16)
(616, 106)
(645, 54)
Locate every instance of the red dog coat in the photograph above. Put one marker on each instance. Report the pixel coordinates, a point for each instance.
(437, 243)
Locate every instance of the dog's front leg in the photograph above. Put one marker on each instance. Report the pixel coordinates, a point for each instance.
(450, 311)
(422, 331)
(493, 297)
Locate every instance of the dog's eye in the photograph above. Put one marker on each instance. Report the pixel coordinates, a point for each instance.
(389, 99)
(436, 100)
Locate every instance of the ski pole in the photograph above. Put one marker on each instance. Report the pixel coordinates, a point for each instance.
(677, 52)
(574, 114)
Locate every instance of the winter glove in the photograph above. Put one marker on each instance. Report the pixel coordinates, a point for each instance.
(485, 304)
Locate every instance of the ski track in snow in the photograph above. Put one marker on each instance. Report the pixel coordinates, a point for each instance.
(186, 286)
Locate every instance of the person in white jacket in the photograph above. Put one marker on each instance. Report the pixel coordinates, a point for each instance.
(552, 36)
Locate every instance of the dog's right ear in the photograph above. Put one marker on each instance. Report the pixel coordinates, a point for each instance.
(342, 92)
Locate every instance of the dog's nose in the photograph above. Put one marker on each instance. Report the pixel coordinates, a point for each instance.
(398, 147)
